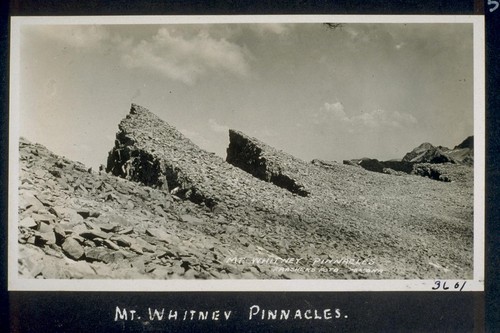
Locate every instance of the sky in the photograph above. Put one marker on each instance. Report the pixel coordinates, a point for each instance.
(360, 90)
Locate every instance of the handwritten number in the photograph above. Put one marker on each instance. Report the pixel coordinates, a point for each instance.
(442, 284)
(493, 3)
(437, 285)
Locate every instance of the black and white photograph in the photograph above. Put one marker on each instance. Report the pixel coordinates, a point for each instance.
(247, 153)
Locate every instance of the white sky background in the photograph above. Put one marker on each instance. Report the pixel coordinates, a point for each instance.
(365, 90)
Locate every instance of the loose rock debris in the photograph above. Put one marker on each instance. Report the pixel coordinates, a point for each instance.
(165, 209)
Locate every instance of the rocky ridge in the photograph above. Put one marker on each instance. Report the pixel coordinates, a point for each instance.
(438, 163)
(427, 153)
(461, 154)
(167, 209)
(375, 165)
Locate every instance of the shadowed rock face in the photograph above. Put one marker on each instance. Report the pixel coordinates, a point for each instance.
(264, 162)
(136, 157)
(467, 143)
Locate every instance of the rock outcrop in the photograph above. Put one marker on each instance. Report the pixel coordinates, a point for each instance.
(150, 151)
(324, 164)
(265, 162)
(375, 165)
(167, 209)
(446, 172)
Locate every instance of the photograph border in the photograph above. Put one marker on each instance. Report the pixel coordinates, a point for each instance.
(476, 284)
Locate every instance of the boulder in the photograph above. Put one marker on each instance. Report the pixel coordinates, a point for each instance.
(72, 248)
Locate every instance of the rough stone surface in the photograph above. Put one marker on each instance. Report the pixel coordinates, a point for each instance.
(186, 213)
(266, 163)
(72, 248)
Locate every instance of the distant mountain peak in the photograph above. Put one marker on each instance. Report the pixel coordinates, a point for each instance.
(426, 145)
(427, 153)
